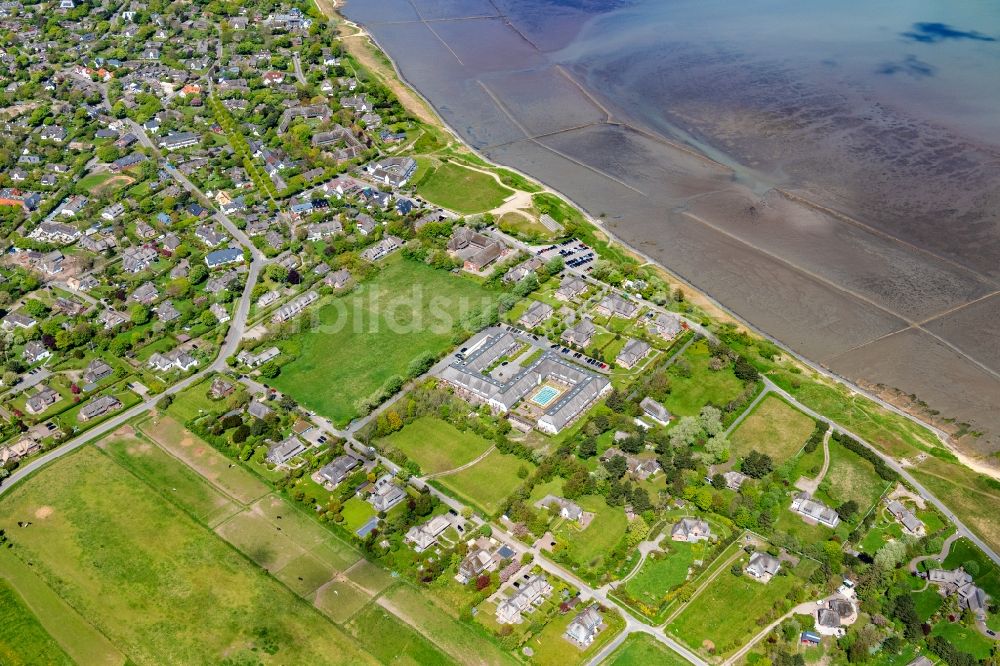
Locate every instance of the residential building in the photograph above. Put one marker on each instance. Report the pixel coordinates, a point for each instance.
(146, 293)
(219, 312)
(17, 320)
(99, 407)
(734, 479)
(43, 398)
(259, 410)
(179, 140)
(906, 517)
(172, 360)
(166, 312)
(814, 510)
(386, 494)
(256, 360)
(570, 288)
(691, 530)
(137, 259)
(533, 589)
(383, 248)
(655, 410)
(112, 318)
(294, 307)
(218, 258)
(476, 250)
(666, 325)
(580, 334)
(536, 315)
(614, 305)
(425, 536)
(285, 450)
(35, 351)
(585, 626)
(632, 353)
(97, 370)
(338, 469)
(338, 279)
(221, 388)
(763, 566)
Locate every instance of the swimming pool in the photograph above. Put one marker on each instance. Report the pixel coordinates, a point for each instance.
(545, 395)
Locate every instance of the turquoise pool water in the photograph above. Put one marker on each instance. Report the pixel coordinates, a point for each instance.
(544, 396)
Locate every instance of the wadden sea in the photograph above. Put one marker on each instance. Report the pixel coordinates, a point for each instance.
(829, 170)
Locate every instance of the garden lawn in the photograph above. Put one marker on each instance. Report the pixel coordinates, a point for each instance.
(144, 573)
(643, 650)
(487, 483)
(356, 513)
(727, 611)
(966, 639)
(460, 189)
(774, 428)
(927, 602)
(23, 640)
(374, 333)
(553, 649)
(987, 575)
(436, 445)
(690, 394)
(661, 574)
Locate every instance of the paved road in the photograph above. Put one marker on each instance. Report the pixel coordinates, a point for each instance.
(237, 328)
(893, 464)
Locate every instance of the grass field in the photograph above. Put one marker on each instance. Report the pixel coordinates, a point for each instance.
(588, 547)
(461, 190)
(643, 650)
(704, 386)
(159, 469)
(464, 644)
(197, 454)
(436, 445)
(661, 574)
(519, 224)
(142, 572)
(971, 496)
(487, 483)
(374, 332)
(23, 640)
(83, 643)
(725, 614)
(391, 641)
(774, 428)
(850, 477)
(95, 183)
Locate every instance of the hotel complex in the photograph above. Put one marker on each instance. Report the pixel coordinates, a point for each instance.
(549, 392)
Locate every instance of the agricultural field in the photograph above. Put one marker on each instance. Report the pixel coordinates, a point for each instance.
(460, 189)
(391, 641)
(463, 643)
(23, 640)
(111, 545)
(690, 393)
(374, 333)
(725, 614)
(436, 445)
(643, 650)
(487, 483)
(197, 454)
(161, 470)
(774, 427)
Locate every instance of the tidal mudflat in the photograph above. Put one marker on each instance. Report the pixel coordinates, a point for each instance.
(828, 171)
